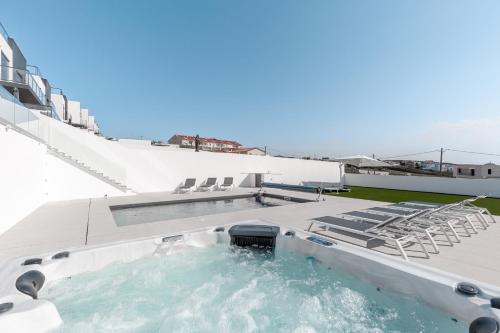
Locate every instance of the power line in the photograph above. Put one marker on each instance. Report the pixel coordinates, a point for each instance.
(472, 152)
(414, 154)
(406, 155)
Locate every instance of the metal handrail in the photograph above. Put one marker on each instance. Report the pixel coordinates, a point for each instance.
(25, 77)
(56, 90)
(36, 70)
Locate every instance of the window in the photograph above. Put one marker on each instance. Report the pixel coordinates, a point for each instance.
(472, 172)
(489, 171)
(19, 77)
(459, 170)
(5, 62)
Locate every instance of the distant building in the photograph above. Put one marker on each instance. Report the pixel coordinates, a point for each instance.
(27, 85)
(23, 81)
(210, 144)
(434, 166)
(488, 170)
(404, 163)
(246, 150)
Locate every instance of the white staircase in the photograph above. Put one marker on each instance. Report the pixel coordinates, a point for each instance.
(99, 160)
(82, 166)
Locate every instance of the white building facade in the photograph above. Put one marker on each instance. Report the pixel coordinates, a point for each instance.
(489, 170)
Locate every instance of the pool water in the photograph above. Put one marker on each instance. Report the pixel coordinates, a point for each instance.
(222, 289)
(147, 214)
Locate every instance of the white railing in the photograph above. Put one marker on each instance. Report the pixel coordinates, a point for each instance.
(22, 77)
(58, 135)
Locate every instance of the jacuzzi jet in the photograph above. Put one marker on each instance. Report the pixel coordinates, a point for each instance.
(484, 325)
(495, 303)
(4, 307)
(32, 261)
(30, 283)
(254, 235)
(467, 289)
(61, 255)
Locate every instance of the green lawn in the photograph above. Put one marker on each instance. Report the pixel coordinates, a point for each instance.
(369, 193)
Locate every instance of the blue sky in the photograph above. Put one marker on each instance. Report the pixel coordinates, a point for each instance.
(305, 77)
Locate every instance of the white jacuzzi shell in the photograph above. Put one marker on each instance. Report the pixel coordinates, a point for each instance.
(433, 287)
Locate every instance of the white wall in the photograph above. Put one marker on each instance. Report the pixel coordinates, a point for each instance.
(74, 112)
(22, 179)
(30, 177)
(84, 114)
(157, 169)
(135, 143)
(7, 51)
(91, 123)
(64, 182)
(146, 168)
(463, 186)
(59, 103)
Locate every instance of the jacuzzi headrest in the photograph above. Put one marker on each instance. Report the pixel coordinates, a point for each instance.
(30, 283)
(484, 325)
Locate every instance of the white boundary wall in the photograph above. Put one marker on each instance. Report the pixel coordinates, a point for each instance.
(157, 169)
(490, 187)
(30, 177)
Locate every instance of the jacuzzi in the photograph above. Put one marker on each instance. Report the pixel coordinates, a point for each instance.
(198, 281)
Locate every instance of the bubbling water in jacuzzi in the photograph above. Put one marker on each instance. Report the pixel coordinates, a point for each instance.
(225, 289)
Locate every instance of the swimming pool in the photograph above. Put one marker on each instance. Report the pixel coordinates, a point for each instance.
(224, 289)
(146, 213)
(198, 282)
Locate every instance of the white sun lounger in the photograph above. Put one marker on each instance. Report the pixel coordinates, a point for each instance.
(385, 231)
(427, 228)
(450, 211)
(463, 210)
(428, 219)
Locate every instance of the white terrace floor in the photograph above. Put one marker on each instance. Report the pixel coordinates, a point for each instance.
(63, 225)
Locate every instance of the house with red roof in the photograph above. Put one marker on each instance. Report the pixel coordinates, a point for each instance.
(210, 144)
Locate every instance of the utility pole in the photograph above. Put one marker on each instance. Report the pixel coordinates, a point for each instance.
(441, 163)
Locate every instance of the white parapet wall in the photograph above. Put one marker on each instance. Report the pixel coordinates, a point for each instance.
(490, 187)
(157, 169)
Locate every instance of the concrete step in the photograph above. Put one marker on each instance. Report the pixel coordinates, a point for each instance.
(91, 170)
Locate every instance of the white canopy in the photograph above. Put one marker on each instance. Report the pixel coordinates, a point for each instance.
(362, 161)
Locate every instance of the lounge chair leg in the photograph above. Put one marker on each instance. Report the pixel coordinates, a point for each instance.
(465, 227)
(472, 225)
(310, 226)
(422, 245)
(445, 233)
(401, 250)
(491, 216)
(483, 221)
(434, 245)
(454, 232)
